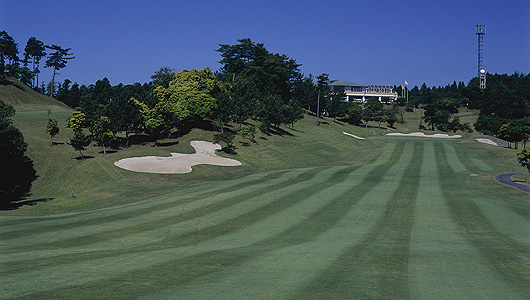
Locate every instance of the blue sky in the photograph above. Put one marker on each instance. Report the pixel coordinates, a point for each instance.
(367, 42)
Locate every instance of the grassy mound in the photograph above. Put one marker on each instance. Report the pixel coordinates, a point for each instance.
(21, 96)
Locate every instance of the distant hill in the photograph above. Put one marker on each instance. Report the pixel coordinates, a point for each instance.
(21, 96)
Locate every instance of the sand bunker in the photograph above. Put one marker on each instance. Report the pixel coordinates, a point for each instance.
(178, 163)
(353, 135)
(421, 134)
(487, 141)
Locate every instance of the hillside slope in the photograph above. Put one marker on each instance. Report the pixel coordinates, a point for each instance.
(21, 96)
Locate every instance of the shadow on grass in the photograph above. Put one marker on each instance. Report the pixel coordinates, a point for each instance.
(17, 205)
(166, 144)
(279, 131)
(108, 151)
(85, 157)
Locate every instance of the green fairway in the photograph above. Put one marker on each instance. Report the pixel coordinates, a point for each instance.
(415, 219)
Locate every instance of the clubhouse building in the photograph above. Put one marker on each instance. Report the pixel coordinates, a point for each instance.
(359, 93)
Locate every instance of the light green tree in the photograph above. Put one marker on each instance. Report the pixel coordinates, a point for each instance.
(247, 132)
(102, 132)
(79, 141)
(159, 120)
(524, 158)
(77, 121)
(52, 129)
(190, 93)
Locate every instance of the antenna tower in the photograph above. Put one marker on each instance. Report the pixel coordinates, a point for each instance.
(481, 31)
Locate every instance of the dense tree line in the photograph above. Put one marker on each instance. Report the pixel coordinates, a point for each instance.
(504, 106)
(252, 84)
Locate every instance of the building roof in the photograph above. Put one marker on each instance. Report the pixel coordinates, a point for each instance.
(344, 83)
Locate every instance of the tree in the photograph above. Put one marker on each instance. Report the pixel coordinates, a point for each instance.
(227, 138)
(79, 141)
(222, 92)
(247, 132)
(8, 50)
(373, 110)
(52, 129)
(159, 120)
(354, 113)
(336, 107)
(524, 158)
(439, 112)
(260, 79)
(163, 76)
(57, 60)
(102, 133)
(322, 92)
(35, 50)
(77, 121)
(17, 172)
(391, 117)
(190, 94)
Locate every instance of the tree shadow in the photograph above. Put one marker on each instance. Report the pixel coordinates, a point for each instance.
(17, 205)
(137, 139)
(58, 143)
(228, 150)
(166, 144)
(108, 151)
(279, 131)
(86, 157)
(187, 126)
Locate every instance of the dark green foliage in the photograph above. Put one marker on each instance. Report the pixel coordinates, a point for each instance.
(57, 60)
(226, 138)
(335, 106)
(8, 51)
(79, 141)
(163, 76)
(263, 83)
(354, 113)
(506, 98)
(265, 126)
(439, 112)
(17, 172)
(247, 132)
(34, 50)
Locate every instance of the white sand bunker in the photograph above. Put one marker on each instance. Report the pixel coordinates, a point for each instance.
(353, 135)
(178, 163)
(487, 141)
(421, 134)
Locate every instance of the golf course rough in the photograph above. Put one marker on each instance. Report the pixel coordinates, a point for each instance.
(407, 224)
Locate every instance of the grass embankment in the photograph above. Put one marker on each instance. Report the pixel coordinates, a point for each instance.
(315, 215)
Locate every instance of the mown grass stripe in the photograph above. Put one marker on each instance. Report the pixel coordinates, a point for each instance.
(58, 222)
(88, 236)
(305, 247)
(509, 258)
(190, 267)
(377, 267)
(442, 262)
(454, 159)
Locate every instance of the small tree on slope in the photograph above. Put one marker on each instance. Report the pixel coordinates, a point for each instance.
(524, 158)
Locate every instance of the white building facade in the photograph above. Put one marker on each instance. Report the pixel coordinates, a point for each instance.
(359, 93)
